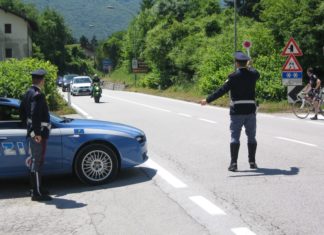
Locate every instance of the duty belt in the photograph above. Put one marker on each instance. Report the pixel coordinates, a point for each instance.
(243, 102)
(43, 125)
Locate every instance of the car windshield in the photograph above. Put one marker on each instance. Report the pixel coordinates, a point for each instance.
(68, 78)
(82, 80)
(56, 118)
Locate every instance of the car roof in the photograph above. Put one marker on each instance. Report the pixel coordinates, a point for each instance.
(81, 77)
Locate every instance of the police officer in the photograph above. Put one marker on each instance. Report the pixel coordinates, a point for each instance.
(35, 113)
(241, 84)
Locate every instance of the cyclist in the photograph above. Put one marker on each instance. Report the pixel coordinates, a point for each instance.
(313, 90)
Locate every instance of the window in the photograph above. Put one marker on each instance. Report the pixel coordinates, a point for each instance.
(8, 53)
(9, 118)
(7, 28)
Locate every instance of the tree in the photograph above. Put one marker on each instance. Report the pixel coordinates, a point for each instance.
(146, 4)
(247, 8)
(52, 37)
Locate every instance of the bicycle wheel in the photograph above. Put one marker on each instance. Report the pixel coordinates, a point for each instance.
(301, 108)
(321, 108)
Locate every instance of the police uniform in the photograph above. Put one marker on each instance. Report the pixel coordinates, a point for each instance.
(241, 84)
(35, 113)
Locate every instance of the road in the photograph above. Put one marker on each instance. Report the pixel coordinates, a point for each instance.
(185, 187)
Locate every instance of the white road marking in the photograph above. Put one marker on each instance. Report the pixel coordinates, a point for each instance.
(290, 119)
(316, 123)
(206, 120)
(206, 205)
(85, 114)
(144, 105)
(81, 111)
(242, 231)
(174, 181)
(184, 115)
(296, 141)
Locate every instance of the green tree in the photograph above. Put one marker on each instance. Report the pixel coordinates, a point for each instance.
(52, 37)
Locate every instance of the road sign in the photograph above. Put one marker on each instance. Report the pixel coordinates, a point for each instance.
(291, 48)
(292, 78)
(247, 44)
(292, 64)
(292, 92)
(134, 64)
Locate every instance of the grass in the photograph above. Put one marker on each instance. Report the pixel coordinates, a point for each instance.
(188, 93)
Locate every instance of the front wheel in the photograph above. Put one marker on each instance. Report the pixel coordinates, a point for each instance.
(301, 108)
(97, 98)
(96, 164)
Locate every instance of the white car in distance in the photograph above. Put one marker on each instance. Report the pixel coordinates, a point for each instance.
(81, 85)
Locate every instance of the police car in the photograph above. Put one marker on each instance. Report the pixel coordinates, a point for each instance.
(93, 150)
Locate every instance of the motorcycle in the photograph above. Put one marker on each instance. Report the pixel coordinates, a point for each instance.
(96, 92)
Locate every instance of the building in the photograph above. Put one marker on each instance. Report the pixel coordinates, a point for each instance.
(15, 35)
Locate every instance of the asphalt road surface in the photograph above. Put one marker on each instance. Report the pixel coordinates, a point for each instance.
(185, 187)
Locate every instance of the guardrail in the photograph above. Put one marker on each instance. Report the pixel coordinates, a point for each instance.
(114, 86)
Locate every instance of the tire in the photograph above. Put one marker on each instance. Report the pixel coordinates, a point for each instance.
(96, 164)
(301, 108)
(97, 99)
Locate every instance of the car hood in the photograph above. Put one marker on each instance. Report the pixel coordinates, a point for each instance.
(104, 125)
(81, 84)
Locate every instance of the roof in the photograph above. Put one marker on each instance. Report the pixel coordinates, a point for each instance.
(33, 24)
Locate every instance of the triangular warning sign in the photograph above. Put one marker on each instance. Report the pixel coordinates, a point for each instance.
(292, 64)
(292, 48)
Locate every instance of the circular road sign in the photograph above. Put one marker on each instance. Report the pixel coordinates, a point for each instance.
(247, 44)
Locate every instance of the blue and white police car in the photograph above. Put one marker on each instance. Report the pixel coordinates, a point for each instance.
(94, 150)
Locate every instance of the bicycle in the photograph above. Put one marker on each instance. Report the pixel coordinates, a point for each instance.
(304, 105)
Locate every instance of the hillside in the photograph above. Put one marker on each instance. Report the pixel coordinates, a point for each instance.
(91, 18)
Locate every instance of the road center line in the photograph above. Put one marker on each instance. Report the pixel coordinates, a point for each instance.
(296, 141)
(207, 206)
(206, 120)
(133, 102)
(242, 231)
(174, 181)
(184, 115)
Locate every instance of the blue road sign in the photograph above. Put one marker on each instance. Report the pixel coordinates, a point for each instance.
(292, 75)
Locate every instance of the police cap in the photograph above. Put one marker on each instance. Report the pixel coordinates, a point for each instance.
(239, 55)
(39, 73)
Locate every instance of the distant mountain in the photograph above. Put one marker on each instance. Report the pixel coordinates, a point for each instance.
(93, 17)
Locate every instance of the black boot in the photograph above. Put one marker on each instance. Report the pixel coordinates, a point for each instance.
(314, 118)
(36, 193)
(252, 149)
(234, 155)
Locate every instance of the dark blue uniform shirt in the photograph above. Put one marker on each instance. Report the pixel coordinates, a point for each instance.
(34, 107)
(242, 86)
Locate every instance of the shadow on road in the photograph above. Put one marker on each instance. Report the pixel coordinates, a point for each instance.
(59, 186)
(268, 172)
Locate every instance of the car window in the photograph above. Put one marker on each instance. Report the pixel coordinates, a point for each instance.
(82, 80)
(9, 117)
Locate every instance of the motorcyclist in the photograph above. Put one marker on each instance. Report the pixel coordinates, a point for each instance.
(96, 82)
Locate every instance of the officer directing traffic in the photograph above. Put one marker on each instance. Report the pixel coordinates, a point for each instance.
(35, 113)
(242, 85)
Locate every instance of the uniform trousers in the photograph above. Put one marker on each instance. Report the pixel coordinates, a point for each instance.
(249, 123)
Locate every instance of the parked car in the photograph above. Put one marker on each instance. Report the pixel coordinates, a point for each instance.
(94, 150)
(59, 81)
(81, 85)
(67, 79)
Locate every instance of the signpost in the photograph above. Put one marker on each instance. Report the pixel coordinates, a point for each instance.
(292, 72)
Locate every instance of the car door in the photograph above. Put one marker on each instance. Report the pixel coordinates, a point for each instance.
(14, 146)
